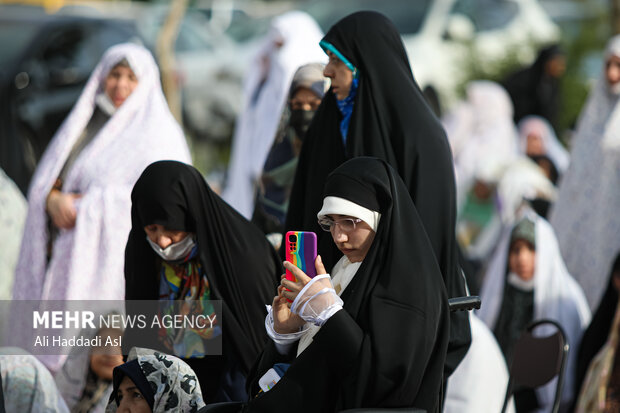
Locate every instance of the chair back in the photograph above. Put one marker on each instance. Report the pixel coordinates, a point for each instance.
(537, 360)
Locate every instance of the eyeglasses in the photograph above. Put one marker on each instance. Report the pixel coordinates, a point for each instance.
(345, 224)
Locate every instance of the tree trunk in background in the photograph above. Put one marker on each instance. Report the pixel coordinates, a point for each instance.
(615, 16)
(165, 55)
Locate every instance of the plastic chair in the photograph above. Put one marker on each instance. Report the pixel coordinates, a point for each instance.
(537, 360)
(469, 302)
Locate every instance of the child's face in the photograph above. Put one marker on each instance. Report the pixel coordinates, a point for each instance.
(522, 259)
(354, 243)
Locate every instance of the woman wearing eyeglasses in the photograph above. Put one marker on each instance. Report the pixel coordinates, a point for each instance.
(375, 333)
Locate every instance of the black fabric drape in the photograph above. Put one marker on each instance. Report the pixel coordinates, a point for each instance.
(2, 410)
(533, 91)
(387, 348)
(391, 121)
(242, 268)
(597, 332)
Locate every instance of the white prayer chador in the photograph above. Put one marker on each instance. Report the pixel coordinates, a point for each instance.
(13, 209)
(87, 261)
(522, 180)
(557, 296)
(585, 216)
(480, 130)
(71, 379)
(538, 125)
(478, 385)
(292, 41)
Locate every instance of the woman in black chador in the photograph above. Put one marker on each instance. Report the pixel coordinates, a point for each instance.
(186, 243)
(374, 333)
(535, 90)
(375, 108)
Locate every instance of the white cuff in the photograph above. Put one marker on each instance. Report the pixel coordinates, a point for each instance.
(298, 300)
(327, 313)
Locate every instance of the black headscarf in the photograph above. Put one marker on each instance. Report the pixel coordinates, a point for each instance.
(597, 332)
(132, 370)
(391, 121)
(533, 91)
(242, 268)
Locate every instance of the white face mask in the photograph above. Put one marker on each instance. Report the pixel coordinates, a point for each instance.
(105, 103)
(520, 283)
(614, 89)
(176, 251)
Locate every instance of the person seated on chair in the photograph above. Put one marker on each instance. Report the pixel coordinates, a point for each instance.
(375, 333)
(527, 280)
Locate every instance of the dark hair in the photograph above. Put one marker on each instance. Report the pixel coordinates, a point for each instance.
(553, 171)
(122, 63)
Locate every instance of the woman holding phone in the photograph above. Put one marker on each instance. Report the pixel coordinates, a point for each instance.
(186, 243)
(375, 333)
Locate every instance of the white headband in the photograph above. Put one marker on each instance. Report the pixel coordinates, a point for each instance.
(341, 206)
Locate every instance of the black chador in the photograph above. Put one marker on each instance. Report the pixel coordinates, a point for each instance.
(242, 268)
(387, 346)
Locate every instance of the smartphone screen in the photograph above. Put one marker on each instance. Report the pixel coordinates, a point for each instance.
(301, 252)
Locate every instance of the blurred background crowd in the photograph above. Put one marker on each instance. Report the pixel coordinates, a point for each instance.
(50, 48)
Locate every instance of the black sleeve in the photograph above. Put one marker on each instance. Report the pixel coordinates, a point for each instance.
(1, 397)
(340, 340)
(314, 380)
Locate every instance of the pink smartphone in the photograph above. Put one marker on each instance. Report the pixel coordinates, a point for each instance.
(301, 251)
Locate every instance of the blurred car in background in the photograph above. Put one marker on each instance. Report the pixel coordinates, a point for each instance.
(452, 41)
(45, 61)
(214, 45)
(211, 61)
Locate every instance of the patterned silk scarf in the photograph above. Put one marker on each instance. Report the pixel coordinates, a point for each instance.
(184, 290)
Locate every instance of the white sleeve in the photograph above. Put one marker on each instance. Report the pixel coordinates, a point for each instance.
(283, 342)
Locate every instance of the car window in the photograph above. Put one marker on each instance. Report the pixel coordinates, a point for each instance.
(63, 47)
(71, 52)
(14, 37)
(407, 15)
(192, 36)
(243, 28)
(487, 14)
